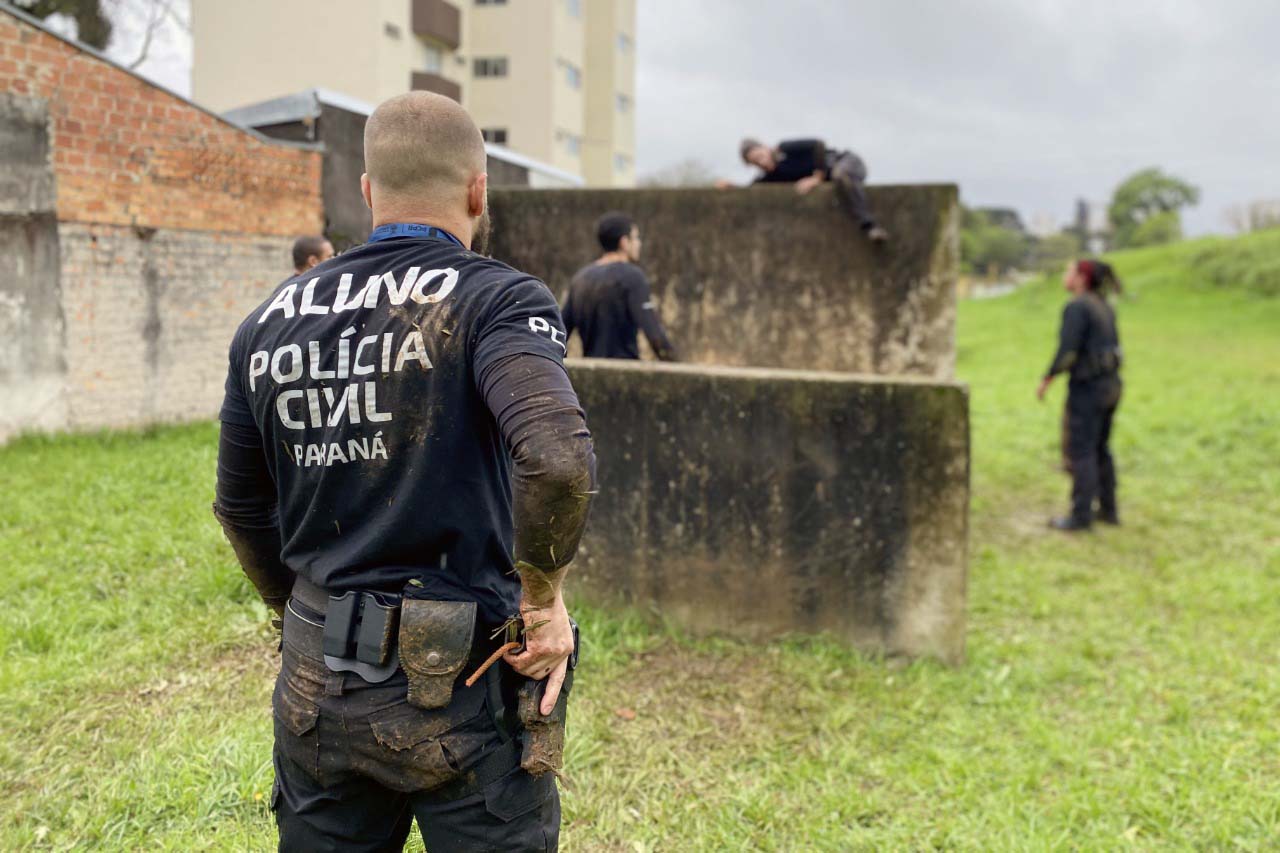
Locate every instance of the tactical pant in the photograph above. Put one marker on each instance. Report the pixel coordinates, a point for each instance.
(1091, 407)
(849, 174)
(355, 764)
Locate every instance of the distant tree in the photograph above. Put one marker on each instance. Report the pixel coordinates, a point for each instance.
(686, 173)
(1144, 196)
(93, 24)
(1004, 217)
(101, 23)
(1052, 253)
(989, 247)
(1254, 216)
(1156, 230)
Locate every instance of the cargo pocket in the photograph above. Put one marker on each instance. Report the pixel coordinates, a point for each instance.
(421, 750)
(295, 717)
(518, 794)
(435, 643)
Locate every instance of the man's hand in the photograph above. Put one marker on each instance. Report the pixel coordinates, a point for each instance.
(804, 185)
(548, 642)
(725, 184)
(1043, 387)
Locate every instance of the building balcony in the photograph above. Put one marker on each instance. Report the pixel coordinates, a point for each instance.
(438, 21)
(429, 82)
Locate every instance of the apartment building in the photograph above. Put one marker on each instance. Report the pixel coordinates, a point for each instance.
(553, 80)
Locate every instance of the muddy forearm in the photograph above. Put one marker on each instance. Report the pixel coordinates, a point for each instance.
(554, 465)
(258, 550)
(550, 508)
(246, 509)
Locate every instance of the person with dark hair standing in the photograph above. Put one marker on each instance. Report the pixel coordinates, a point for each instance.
(1089, 352)
(404, 473)
(808, 163)
(309, 250)
(609, 299)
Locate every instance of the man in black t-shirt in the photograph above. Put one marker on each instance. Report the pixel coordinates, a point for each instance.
(808, 163)
(609, 300)
(310, 250)
(375, 408)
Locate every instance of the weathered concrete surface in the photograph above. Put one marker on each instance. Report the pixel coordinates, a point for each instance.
(32, 364)
(759, 502)
(764, 277)
(26, 175)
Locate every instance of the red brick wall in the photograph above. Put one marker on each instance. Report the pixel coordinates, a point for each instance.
(127, 153)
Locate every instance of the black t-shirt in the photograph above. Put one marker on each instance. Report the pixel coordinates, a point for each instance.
(607, 304)
(796, 159)
(1088, 340)
(362, 377)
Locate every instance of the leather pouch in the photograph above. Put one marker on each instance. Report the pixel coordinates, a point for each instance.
(543, 736)
(435, 644)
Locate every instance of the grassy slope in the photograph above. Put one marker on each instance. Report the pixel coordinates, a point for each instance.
(1120, 688)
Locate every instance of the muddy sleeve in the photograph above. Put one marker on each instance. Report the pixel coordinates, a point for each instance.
(554, 464)
(246, 508)
(644, 313)
(1075, 318)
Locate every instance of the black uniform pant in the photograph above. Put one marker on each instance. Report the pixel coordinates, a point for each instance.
(849, 174)
(355, 764)
(1091, 407)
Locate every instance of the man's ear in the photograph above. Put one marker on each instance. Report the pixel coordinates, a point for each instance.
(366, 190)
(476, 193)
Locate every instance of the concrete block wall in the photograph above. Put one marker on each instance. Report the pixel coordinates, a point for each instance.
(149, 317)
(757, 502)
(763, 277)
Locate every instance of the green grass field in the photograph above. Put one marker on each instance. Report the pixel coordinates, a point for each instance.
(1121, 689)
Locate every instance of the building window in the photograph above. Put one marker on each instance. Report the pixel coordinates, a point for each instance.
(572, 74)
(572, 142)
(431, 59)
(624, 103)
(391, 30)
(574, 7)
(621, 163)
(624, 43)
(496, 135)
(490, 66)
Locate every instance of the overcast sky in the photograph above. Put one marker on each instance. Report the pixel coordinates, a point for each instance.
(1024, 103)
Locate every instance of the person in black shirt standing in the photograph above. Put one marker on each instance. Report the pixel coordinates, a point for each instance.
(403, 468)
(808, 163)
(609, 300)
(309, 250)
(1089, 352)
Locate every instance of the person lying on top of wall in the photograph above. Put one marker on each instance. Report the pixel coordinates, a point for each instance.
(808, 163)
(609, 299)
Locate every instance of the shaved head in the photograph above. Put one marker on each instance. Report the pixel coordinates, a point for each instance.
(420, 143)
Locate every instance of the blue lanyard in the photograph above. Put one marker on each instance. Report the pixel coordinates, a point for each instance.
(411, 229)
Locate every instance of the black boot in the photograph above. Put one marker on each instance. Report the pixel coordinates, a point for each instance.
(1069, 524)
(1109, 517)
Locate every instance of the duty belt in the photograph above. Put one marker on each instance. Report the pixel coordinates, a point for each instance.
(355, 630)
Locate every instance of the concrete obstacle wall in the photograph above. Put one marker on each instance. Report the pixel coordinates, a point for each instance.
(763, 277)
(758, 502)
